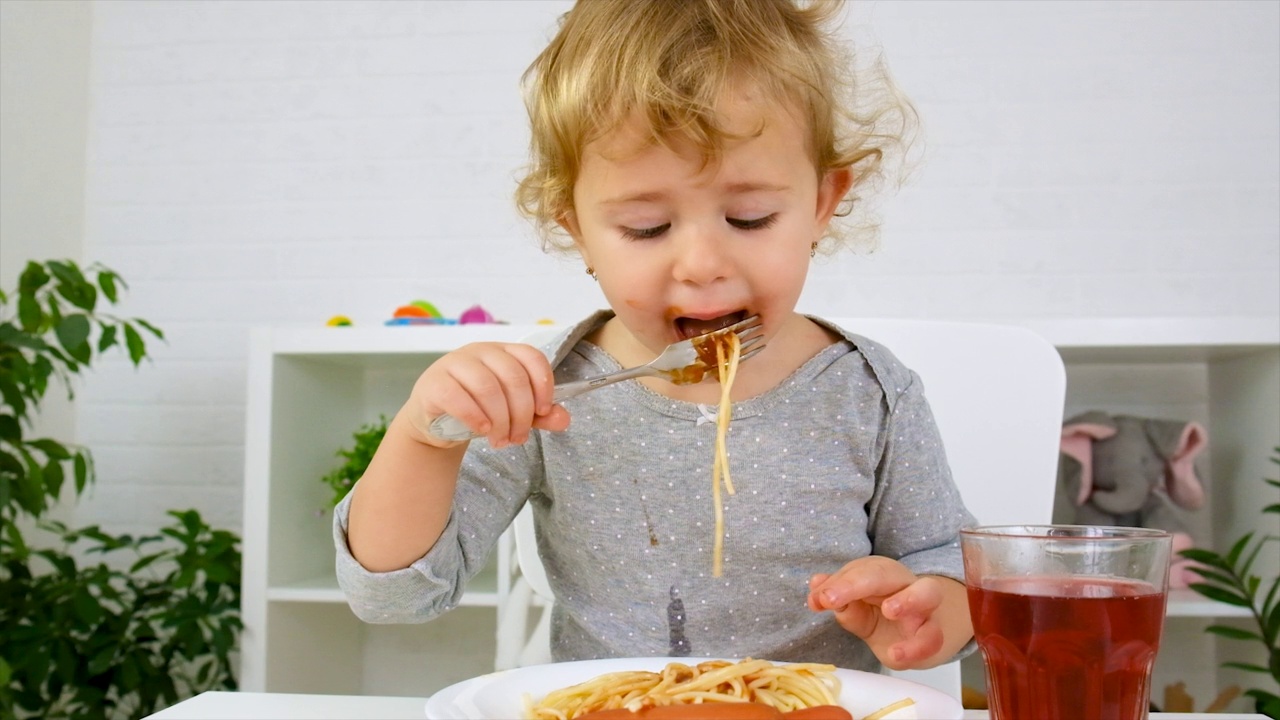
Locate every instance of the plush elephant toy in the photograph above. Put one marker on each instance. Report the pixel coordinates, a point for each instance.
(1134, 472)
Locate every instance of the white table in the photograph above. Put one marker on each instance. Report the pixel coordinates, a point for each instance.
(279, 706)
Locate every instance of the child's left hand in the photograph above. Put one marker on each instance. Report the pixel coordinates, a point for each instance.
(892, 609)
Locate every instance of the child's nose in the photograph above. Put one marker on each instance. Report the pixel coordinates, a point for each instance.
(700, 256)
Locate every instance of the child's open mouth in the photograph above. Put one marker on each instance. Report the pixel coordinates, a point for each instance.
(689, 327)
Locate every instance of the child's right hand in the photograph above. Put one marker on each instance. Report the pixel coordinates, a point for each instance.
(499, 390)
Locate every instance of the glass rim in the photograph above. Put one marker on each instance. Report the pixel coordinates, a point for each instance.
(1065, 532)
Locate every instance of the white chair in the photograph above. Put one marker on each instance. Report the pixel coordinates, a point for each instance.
(997, 394)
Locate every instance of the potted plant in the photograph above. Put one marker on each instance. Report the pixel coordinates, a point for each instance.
(95, 625)
(356, 459)
(1231, 579)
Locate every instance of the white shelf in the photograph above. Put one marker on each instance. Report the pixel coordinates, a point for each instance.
(352, 343)
(1187, 603)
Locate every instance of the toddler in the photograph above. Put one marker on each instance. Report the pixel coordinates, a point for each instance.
(694, 154)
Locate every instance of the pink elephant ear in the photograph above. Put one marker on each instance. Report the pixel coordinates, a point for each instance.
(1180, 476)
(1181, 570)
(1077, 443)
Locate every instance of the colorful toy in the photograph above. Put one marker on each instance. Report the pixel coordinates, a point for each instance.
(421, 312)
(475, 314)
(339, 321)
(417, 309)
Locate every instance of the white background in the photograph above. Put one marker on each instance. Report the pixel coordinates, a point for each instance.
(277, 163)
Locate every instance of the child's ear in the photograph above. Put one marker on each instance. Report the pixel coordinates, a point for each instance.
(835, 184)
(569, 222)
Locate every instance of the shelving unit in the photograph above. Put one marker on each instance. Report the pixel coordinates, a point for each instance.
(310, 388)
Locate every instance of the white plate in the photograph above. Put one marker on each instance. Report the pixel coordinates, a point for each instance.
(498, 696)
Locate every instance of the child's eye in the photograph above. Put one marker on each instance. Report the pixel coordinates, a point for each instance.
(757, 224)
(645, 233)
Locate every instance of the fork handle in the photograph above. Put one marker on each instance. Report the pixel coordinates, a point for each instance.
(448, 427)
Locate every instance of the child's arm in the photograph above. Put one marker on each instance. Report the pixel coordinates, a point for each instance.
(402, 503)
(909, 621)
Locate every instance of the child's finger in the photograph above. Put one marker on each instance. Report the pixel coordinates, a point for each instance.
(858, 618)
(921, 599)
(868, 579)
(516, 392)
(541, 377)
(555, 420)
(484, 387)
(924, 643)
(815, 582)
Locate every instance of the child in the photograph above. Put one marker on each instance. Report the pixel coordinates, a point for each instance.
(693, 153)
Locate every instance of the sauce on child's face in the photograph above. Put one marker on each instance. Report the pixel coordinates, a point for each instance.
(662, 231)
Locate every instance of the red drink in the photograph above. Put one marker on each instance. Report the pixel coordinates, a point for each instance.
(1067, 648)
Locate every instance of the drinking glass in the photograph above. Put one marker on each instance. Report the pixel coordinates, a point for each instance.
(1067, 617)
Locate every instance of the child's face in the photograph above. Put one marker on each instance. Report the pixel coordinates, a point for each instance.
(680, 249)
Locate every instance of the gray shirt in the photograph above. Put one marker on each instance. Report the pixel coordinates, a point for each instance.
(841, 460)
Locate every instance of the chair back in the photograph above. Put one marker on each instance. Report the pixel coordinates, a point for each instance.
(997, 393)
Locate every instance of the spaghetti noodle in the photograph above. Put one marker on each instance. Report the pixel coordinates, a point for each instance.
(785, 687)
(728, 352)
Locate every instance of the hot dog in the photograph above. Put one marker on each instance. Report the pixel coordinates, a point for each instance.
(721, 711)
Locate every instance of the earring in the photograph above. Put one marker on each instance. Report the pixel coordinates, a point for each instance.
(813, 249)
(592, 272)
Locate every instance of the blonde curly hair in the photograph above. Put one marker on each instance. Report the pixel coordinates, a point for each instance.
(670, 62)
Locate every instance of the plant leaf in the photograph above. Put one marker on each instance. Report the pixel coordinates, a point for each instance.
(145, 561)
(1213, 592)
(1216, 576)
(1234, 633)
(10, 429)
(52, 449)
(1233, 555)
(1247, 667)
(107, 281)
(157, 332)
(107, 339)
(1205, 557)
(137, 347)
(73, 334)
(29, 313)
(53, 479)
(32, 279)
(73, 286)
(1271, 625)
(82, 471)
(102, 660)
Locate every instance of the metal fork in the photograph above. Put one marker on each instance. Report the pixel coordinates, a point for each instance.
(682, 363)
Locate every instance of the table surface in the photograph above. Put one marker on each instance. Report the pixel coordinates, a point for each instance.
(281, 706)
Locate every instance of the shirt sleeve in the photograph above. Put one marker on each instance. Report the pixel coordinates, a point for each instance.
(492, 487)
(916, 512)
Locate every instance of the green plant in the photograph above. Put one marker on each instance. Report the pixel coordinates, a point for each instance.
(83, 639)
(342, 478)
(1230, 579)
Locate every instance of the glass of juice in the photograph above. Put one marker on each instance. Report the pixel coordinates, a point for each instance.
(1068, 617)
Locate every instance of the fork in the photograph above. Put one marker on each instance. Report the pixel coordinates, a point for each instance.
(682, 363)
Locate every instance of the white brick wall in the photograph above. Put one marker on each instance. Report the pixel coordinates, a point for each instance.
(282, 162)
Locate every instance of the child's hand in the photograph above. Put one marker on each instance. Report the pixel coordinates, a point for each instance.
(895, 611)
(499, 390)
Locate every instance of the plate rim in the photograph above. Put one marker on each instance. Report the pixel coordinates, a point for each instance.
(645, 662)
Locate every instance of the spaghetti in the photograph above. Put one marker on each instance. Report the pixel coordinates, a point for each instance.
(728, 352)
(785, 687)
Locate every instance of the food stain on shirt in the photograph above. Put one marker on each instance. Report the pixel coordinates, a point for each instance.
(678, 643)
(648, 522)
